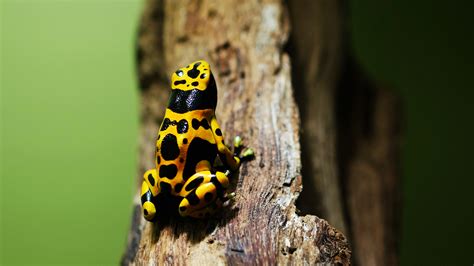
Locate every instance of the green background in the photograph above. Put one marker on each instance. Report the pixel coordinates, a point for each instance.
(424, 51)
(69, 118)
(69, 130)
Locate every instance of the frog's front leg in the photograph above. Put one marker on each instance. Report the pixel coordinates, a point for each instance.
(148, 194)
(230, 160)
(203, 193)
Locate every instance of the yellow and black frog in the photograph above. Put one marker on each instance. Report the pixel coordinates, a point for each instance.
(187, 145)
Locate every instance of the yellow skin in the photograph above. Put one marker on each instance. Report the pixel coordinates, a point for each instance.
(187, 144)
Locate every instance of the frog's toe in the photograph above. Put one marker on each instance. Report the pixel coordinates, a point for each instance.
(229, 199)
(248, 154)
(238, 146)
(237, 142)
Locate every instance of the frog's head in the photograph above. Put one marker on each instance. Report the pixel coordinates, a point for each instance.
(193, 87)
(196, 75)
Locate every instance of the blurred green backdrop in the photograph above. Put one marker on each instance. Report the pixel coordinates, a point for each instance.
(424, 51)
(69, 124)
(69, 129)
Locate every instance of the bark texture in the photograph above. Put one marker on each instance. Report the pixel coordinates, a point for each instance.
(248, 45)
(368, 118)
(350, 134)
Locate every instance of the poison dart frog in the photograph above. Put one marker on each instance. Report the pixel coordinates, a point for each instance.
(185, 178)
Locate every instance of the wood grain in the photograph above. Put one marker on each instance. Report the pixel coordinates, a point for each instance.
(244, 43)
(288, 87)
(369, 152)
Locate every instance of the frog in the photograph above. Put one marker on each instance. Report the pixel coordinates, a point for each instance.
(186, 177)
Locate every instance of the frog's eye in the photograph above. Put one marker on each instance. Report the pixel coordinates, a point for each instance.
(179, 73)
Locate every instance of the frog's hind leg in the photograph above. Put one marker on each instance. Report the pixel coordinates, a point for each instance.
(148, 194)
(203, 194)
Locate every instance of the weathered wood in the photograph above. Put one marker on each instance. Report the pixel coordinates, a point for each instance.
(244, 42)
(350, 135)
(317, 50)
(368, 152)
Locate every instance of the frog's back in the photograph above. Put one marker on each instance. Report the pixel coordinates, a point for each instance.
(185, 140)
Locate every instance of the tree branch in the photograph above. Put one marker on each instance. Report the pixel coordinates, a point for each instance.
(247, 46)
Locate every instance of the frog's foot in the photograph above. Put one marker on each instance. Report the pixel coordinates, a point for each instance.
(149, 194)
(229, 199)
(148, 207)
(202, 194)
(248, 153)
